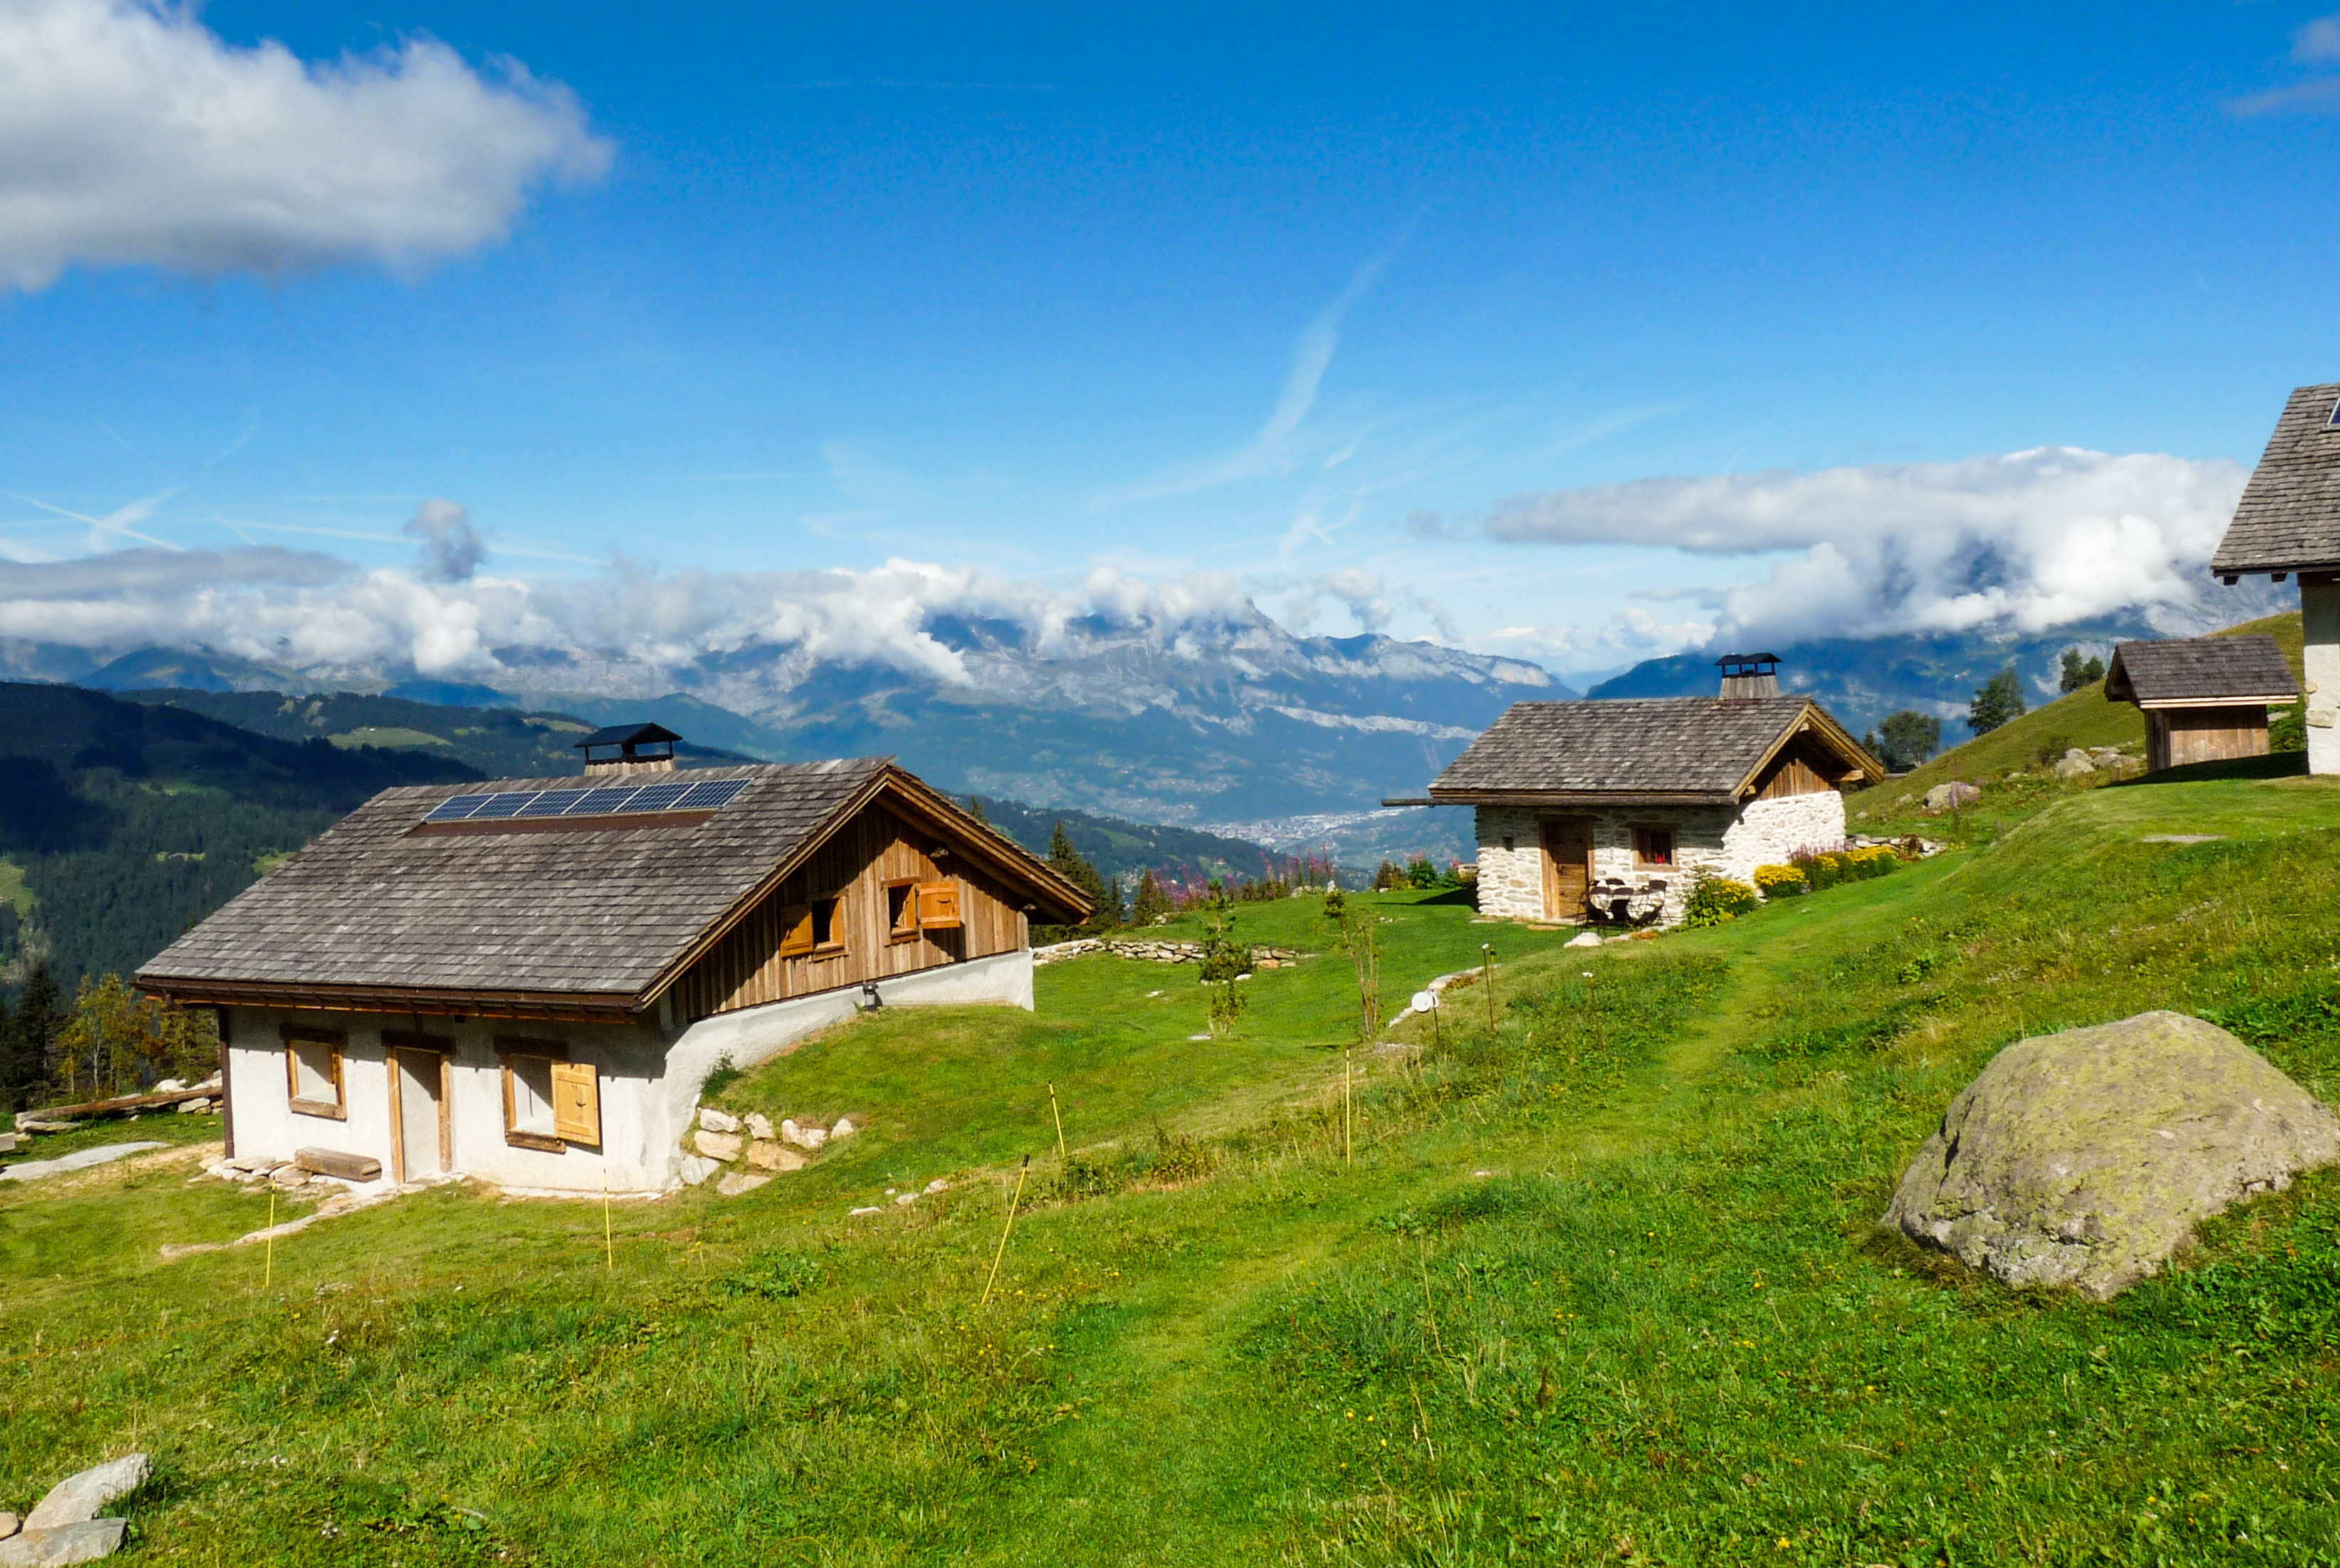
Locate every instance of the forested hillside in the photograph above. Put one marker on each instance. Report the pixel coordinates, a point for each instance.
(501, 742)
(122, 823)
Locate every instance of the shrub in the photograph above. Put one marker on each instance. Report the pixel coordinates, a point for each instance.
(1781, 881)
(1715, 900)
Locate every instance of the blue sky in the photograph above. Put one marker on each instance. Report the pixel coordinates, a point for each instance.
(1377, 315)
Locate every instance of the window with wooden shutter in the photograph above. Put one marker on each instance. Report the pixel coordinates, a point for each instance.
(576, 1103)
(314, 1072)
(795, 930)
(938, 906)
(901, 911)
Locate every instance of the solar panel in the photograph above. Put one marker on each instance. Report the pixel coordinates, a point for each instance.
(606, 800)
(503, 804)
(552, 803)
(601, 802)
(713, 793)
(455, 807)
(656, 798)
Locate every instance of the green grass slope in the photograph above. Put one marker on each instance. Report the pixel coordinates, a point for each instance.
(1595, 1282)
(2084, 719)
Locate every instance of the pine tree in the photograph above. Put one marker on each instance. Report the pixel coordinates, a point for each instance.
(1075, 867)
(38, 1023)
(975, 810)
(1996, 702)
(1152, 903)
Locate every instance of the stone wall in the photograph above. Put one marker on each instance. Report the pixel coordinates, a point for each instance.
(1511, 880)
(1768, 832)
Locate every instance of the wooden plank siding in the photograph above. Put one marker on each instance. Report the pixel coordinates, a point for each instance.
(1791, 773)
(856, 864)
(2177, 736)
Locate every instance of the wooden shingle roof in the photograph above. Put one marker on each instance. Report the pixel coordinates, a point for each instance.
(594, 920)
(2289, 516)
(1686, 751)
(2200, 671)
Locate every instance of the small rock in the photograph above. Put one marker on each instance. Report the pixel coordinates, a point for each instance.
(771, 1156)
(845, 1127)
(759, 1125)
(1585, 940)
(1951, 796)
(718, 1146)
(2074, 763)
(9, 1523)
(76, 1499)
(738, 1182)
(938, 1185)
(696, 1169)
(805, 1135)
(195, 1107)
(857, 1213)
(716, 1121)
(908, 1197)
(86, 1542)
(167, 1087)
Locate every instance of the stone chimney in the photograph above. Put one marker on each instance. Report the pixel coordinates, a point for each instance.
(1747, 677)
(628, 748)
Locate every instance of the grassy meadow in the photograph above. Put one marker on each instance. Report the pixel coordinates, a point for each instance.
(1596, 1282)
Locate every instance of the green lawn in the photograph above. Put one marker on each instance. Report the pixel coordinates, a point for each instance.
(1598, 1284)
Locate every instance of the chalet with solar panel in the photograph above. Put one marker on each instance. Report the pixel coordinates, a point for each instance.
(1609, 812)
(2288, 521)
(2204, 697)
(529, 981)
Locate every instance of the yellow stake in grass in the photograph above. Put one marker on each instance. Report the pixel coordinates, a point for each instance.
(608, 1242)
(1347, 1119)
(1060, 1123)
(1025, 1170)
(268, 1266)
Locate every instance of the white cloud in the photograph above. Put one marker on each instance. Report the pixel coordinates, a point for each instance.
(2024, 541)
(318, 614)
(130, 133)
(2318, 41)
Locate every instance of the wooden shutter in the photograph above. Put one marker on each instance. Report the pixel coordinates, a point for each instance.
(576, 1103)
(938, 906)
(795, 930)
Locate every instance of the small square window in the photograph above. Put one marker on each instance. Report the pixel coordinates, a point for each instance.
(1653, 847)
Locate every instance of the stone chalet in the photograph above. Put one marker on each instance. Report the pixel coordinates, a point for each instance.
(1613, 809)
(528, 981)
(2288, 521)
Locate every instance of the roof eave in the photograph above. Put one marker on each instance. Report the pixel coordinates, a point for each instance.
(425, 1001)
(1465, 797)
(2156, 703)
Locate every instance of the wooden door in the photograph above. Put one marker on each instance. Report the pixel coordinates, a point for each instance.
(1567, 866)
(418, 1114)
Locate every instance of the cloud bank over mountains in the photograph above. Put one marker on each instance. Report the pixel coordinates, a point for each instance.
(2020, 542)
(130, 133)
(2013, 545)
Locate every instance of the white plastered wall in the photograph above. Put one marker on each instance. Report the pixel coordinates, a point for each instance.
(648, 1079)
(2319, 614)
(1768, 832)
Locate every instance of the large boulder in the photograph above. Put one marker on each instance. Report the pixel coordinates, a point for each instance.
(2086, 1159)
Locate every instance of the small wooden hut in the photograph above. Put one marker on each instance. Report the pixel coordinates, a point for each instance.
(2204, 697)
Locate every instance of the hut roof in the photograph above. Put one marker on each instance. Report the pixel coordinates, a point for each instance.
(2289, 516)
(2200, 673)
(547, 907)
(1685, 751)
